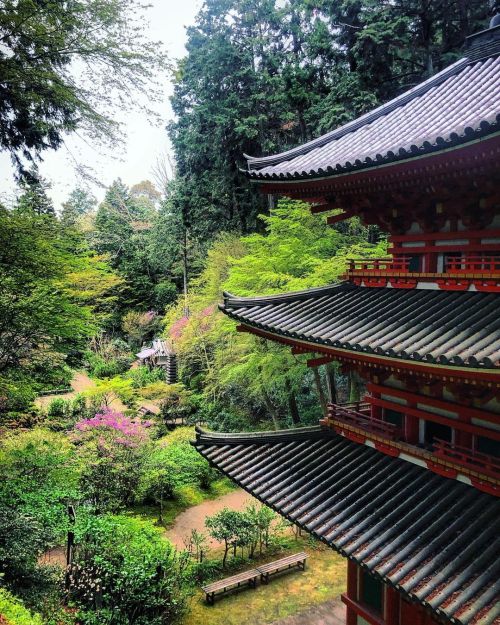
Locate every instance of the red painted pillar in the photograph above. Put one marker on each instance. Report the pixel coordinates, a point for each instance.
(411, 427)
(391, 606)
(376, 411)
(352, 591)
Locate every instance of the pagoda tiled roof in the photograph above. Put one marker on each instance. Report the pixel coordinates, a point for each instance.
(450, 328)
(459, 105)
(434, 539)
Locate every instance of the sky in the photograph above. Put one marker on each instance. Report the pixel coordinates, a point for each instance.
(144, 142)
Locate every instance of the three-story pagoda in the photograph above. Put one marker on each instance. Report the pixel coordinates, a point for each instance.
(405, 485)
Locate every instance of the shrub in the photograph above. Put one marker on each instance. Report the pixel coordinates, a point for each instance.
(59, 407)
(114, 450)
(124, 571)
(142, 376)
(155, 390)
(12, 609)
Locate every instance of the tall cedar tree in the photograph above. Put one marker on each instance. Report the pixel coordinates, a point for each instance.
(262, 75)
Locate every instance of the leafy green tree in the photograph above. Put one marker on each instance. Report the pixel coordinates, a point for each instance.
(261, 76)
(43, 96)
(40, 323)
(79, 203)
(15, 613)
(38, 478)
(34, 194)
(223, 526)
(126, 572)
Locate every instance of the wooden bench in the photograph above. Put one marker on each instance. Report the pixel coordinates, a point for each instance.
(298, 559)
(249, 577)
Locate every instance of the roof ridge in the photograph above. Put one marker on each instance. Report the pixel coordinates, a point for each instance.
(206, 437)
(367, 118)
(235, 301)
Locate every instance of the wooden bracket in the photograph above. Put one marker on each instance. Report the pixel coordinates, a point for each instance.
(317, 362)
(334, 219)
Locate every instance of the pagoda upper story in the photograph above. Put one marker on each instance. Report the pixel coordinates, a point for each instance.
(423, 167)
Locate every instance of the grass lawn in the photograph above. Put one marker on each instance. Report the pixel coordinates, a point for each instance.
(187, 497)
(286, 594)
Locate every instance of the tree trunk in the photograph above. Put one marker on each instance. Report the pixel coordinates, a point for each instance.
(331, 383)
(321, 393)
(185, 273)
(270, 407)
(292, 404)
(226, 549)
(354, 389)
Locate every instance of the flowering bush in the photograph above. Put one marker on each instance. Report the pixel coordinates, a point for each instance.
(125, 572)
(114, 448)
(126, 431)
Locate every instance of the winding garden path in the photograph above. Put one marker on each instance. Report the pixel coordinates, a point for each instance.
(194, 517)
(80, 383)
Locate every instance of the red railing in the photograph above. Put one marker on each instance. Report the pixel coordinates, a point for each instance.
(467, 457)
(472, 263)
(364, 421)
(379, 264)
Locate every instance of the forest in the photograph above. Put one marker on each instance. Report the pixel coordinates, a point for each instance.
(85, 285)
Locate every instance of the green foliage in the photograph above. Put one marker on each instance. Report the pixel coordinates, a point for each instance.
(37, 317)
(143, 376)
(38, 477)
(261, 77)
(14, 611)
(107, 357)
(140, 327)
(43, 97)
(173, 468)
(250, 529)
(125, 572)
(242, 382)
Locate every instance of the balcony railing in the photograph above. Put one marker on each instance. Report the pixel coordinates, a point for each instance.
(472, 264)
(354, 421)
(467, 458)
(349, 416)
(363, 265)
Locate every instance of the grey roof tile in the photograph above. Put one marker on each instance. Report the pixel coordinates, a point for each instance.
(436, 540)
(452, 328)
(458, 105)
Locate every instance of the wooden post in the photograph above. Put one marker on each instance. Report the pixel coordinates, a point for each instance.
(352, 591)
(70, 545)
(391, 606)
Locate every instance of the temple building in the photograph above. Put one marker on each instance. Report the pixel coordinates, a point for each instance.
(406, 484)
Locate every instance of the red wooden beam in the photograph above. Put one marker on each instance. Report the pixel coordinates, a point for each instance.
(430, 416)
(321, 208)
(317, 362)
(442, 236)
(417, 398)
(334, 219)
(297, 351)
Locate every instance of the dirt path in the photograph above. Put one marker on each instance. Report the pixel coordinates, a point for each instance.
(80, 383)
(194, 518)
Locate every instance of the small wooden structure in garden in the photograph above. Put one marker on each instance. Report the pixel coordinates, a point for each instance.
(160, 354)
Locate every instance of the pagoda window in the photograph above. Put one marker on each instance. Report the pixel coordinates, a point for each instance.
(394, 416)
(434, 430)
(371, 592)
(415, 263)
(488, 446)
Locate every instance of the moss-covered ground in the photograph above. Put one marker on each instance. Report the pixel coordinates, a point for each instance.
(287, 594)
